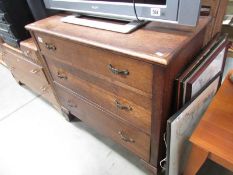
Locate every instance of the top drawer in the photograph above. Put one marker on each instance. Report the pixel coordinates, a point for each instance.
(120, 70)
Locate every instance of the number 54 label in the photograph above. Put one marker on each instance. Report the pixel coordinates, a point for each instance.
(155, 12)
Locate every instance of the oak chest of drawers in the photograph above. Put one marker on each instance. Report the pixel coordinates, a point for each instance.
(119, 84)
(26, 68)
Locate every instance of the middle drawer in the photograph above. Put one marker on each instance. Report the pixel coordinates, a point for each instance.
(137, 115)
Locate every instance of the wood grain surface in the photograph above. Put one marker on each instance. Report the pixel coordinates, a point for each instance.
(77, 59)
(214, 133)
(144, 44)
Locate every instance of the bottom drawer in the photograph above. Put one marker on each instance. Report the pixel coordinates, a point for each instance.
(125, 134)
(43, 89)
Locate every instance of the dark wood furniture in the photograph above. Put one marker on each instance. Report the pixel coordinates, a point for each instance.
(213, 137)
(119, 84)
(26, 68)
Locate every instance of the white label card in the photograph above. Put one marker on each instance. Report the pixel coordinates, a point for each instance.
(155, 12)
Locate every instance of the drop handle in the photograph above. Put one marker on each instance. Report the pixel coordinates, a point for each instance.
(125, 138)
(34, 71)
(50, 46)
(122, 106)
(117, 71)
(62, 76)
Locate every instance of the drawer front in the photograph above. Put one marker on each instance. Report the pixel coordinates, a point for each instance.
(30, 81)
(15, 61)
(98, 62)
(141, 99)
(125, 134)
(127, 110)
(30, 54)
(41, 88)
(38, 85)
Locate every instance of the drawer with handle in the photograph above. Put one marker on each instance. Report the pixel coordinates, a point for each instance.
(123, 133)
(30, 69)
(137, 115)
(38, 86)
(59, 71)
(113, 67)
(34, 79)
(44, 90)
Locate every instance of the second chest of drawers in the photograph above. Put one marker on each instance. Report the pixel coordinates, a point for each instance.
(27, 70)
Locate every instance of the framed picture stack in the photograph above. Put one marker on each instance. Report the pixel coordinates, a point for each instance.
(195, 88)
(207, 65)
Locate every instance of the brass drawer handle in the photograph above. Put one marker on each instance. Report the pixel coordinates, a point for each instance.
(44, 88)
(125, 138)
(117, 71)
(123, 107)
(50, 46)
(34, 71)
(71, 104)
(62, 76)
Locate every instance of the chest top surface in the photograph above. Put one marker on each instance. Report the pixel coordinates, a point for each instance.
(152, 43)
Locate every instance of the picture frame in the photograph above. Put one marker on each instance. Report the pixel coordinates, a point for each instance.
(191, 68)
(181, 125)
(211, 68)
(209, 63)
